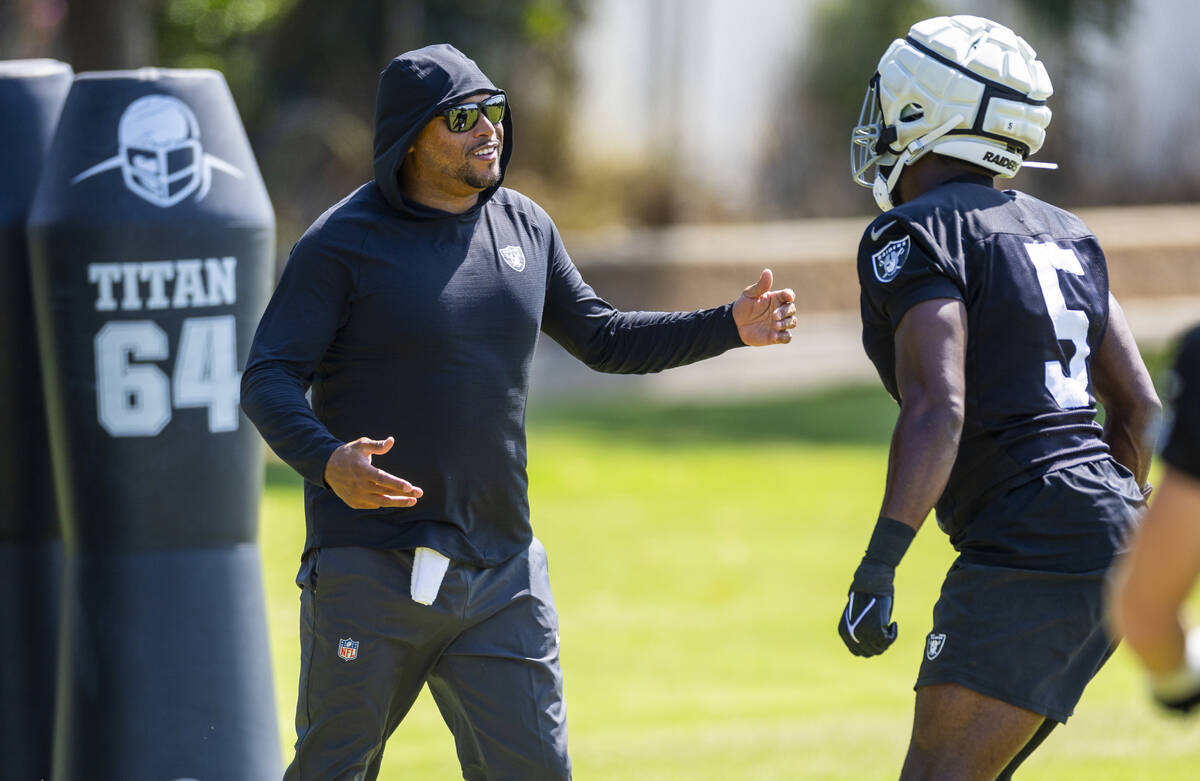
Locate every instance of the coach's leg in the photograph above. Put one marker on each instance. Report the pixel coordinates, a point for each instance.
(365, 650)
(959, 734)
(499, 684)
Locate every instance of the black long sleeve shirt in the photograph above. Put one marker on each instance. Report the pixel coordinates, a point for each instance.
(421, 325)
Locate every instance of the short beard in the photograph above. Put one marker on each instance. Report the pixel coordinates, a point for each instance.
(479, 181)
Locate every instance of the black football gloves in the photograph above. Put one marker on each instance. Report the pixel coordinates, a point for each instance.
(866, 625)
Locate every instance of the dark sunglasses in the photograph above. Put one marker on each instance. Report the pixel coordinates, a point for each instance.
(465, 116)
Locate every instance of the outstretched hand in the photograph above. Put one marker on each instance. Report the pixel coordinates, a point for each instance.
(361, 485)
(764, 316)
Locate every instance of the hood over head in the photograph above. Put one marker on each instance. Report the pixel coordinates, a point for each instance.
(413, 88)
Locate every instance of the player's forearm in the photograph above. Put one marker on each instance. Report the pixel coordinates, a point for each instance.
(1149, 625)
(1156, 575)
(924, 446)
(1157, 638)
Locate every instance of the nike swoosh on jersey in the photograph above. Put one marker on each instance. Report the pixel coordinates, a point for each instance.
(877, 232)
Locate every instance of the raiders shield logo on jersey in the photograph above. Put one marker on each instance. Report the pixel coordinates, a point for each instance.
(514, 257)
(888, 261)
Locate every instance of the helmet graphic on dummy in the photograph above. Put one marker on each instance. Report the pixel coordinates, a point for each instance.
(161, 158)
(960, 86)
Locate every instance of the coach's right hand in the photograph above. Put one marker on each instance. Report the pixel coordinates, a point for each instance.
(350, 474)
(866, 625)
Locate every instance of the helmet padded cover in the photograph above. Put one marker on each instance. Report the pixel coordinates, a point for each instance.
(910, 79)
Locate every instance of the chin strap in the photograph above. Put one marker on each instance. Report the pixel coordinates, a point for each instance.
(882, 189)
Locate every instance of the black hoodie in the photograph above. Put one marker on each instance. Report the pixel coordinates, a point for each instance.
(411, 322)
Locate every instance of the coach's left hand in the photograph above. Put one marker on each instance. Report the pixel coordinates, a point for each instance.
(765, 316)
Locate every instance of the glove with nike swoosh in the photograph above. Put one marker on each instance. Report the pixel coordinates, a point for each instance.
(866, 625)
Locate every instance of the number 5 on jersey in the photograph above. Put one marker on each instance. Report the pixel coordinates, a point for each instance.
(1069, 388)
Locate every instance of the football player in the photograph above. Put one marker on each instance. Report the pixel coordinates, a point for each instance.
(988, 317)
(1164, 559)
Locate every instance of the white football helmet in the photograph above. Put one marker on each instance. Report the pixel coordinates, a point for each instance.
(960, 86)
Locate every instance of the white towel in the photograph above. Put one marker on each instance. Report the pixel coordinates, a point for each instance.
(429, 567)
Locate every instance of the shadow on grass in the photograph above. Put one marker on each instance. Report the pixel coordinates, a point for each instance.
(852, 415)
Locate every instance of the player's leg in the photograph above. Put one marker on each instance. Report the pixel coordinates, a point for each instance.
(499, 684)
(365, 650)
(961, 734)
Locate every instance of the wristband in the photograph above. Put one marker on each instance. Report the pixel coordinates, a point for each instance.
(890, 541)
(1182, 683)
(888, 544)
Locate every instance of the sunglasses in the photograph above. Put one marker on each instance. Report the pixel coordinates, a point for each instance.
(465, 116)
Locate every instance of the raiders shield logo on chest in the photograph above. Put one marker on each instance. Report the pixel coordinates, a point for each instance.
(514, 257)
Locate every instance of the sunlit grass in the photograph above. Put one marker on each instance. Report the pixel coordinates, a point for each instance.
(700, 557)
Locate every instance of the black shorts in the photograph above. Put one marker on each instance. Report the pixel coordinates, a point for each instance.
(1034, 635)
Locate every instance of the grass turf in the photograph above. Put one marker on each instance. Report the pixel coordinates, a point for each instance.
(700, 557)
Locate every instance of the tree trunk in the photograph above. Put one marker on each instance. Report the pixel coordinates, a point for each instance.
(110, 34)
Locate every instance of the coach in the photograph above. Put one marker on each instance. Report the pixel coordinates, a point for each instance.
(411, 309)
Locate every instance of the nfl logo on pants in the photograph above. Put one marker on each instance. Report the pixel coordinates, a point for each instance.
(348, 649)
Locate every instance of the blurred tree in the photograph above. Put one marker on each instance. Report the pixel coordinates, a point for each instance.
(112, 35)
(1075, 39)
(304, 74)
(801, 172)
(1062, 17)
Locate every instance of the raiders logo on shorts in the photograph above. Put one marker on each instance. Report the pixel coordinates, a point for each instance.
(934, 645)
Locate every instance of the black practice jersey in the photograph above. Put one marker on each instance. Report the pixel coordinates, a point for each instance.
(1035, 285)
(1182, 450)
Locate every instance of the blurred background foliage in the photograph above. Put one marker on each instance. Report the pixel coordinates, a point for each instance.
(304, 72)
(830, 81)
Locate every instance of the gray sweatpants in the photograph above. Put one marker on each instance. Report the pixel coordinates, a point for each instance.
(487, 647)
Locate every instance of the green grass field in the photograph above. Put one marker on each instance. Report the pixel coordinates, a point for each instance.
(700, 557)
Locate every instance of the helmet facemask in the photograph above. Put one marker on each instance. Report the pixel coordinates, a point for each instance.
(868, 147)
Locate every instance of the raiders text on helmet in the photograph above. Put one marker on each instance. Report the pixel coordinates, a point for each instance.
(960, 86)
